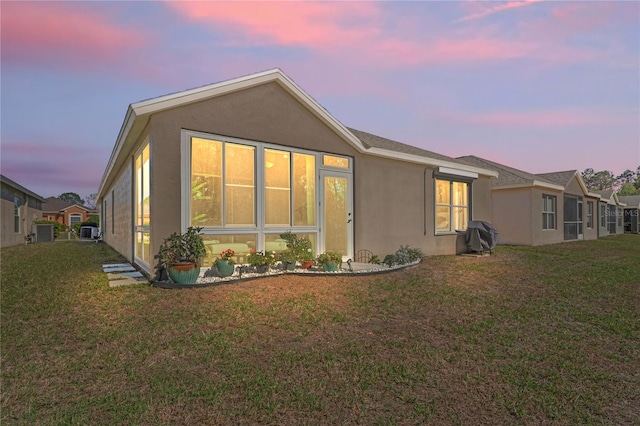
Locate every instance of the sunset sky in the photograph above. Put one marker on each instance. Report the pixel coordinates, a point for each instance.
(538, 85)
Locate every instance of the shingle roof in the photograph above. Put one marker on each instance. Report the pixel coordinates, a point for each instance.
(19, 187)
(562, 178)
(373, 141)
(630, 200)
(55, 204)
(507, 176)
(605, 194)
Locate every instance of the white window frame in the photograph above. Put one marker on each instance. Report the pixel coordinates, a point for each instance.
(259, 228)
(74, 215)
(451, 206)
(140, 229)
(546, 213)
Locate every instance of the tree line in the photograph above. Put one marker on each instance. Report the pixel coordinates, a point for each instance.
(74, 198)
(627, 183)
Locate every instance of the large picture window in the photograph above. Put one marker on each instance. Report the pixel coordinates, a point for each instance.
(452, 205)
(548, 212)
(142, 206)
(244, 193)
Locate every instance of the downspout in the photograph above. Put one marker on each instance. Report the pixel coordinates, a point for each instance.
(424, 204)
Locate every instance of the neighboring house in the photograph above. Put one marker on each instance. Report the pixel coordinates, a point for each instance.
(20, 208)
(531, 209)
(250, 158)
(580, 206)
(611, 214)
(66, 213)
(631, 220)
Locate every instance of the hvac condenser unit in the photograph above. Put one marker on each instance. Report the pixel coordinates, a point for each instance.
(44, 233)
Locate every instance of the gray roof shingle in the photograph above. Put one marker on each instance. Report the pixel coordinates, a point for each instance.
(562, 178)
(506, 175)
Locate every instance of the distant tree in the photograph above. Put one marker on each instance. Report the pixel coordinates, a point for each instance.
(90, 200)
(637, 182)
(628, 189)
(627, 177)
(71, 197)
(598, 181)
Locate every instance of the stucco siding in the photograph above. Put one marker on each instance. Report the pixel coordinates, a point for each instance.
(511, 215)
(118, 228)
(27, 216)
(264, 114)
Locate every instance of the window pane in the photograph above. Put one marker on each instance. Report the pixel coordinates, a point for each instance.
(138, 191)
(460, 219)
(333, 161)
(443, 216)
(304, 190)
(277, 179)
(146, 213)
(570, 208)
(241, 244)
(146, 247)
(206, 182)
(443, 192)
(459, 194)
(239, 185)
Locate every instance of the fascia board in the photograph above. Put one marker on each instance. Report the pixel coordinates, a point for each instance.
(533, 184)
(242, 83)
(124, 133)
(379, 152)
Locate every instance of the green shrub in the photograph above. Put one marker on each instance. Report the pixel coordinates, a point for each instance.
(403, 256)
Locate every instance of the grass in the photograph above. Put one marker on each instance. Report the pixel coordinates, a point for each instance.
(532, 335)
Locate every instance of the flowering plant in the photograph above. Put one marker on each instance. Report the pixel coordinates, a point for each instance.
(300, 248)
(259, 258)
(226, 255)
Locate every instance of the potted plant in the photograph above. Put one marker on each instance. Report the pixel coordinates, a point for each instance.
(224, 264)
(261, 260)
(300, 247)
(288, 259)
(329, 261)
(180, 254)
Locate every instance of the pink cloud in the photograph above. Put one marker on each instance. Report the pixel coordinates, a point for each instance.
(325, 27)
(52, 33)
(318, 25)
(496, 8)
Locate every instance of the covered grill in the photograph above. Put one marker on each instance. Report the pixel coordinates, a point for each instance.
(481, 236)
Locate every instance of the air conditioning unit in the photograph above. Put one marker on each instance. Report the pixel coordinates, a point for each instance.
(44, 233)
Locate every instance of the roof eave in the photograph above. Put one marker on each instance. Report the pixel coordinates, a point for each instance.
(380, 152)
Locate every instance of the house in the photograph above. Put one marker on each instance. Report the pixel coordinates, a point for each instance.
(68, 214)
(631, 219)
(20, 209)
(252, 157)
(538, 209)
(580, 216)
(611, 213)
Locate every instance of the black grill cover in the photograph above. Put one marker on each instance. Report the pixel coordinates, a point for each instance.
(480, 236)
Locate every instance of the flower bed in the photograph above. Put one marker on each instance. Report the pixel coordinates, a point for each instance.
(244, 273)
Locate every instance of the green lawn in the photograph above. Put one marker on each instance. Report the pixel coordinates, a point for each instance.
(547, 335)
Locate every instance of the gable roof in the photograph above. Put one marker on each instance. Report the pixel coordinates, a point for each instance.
(20, 188)
(610, 197)
(564, 178)
(632, 201)
(509, 177)
(55, 204)
(138, 115)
